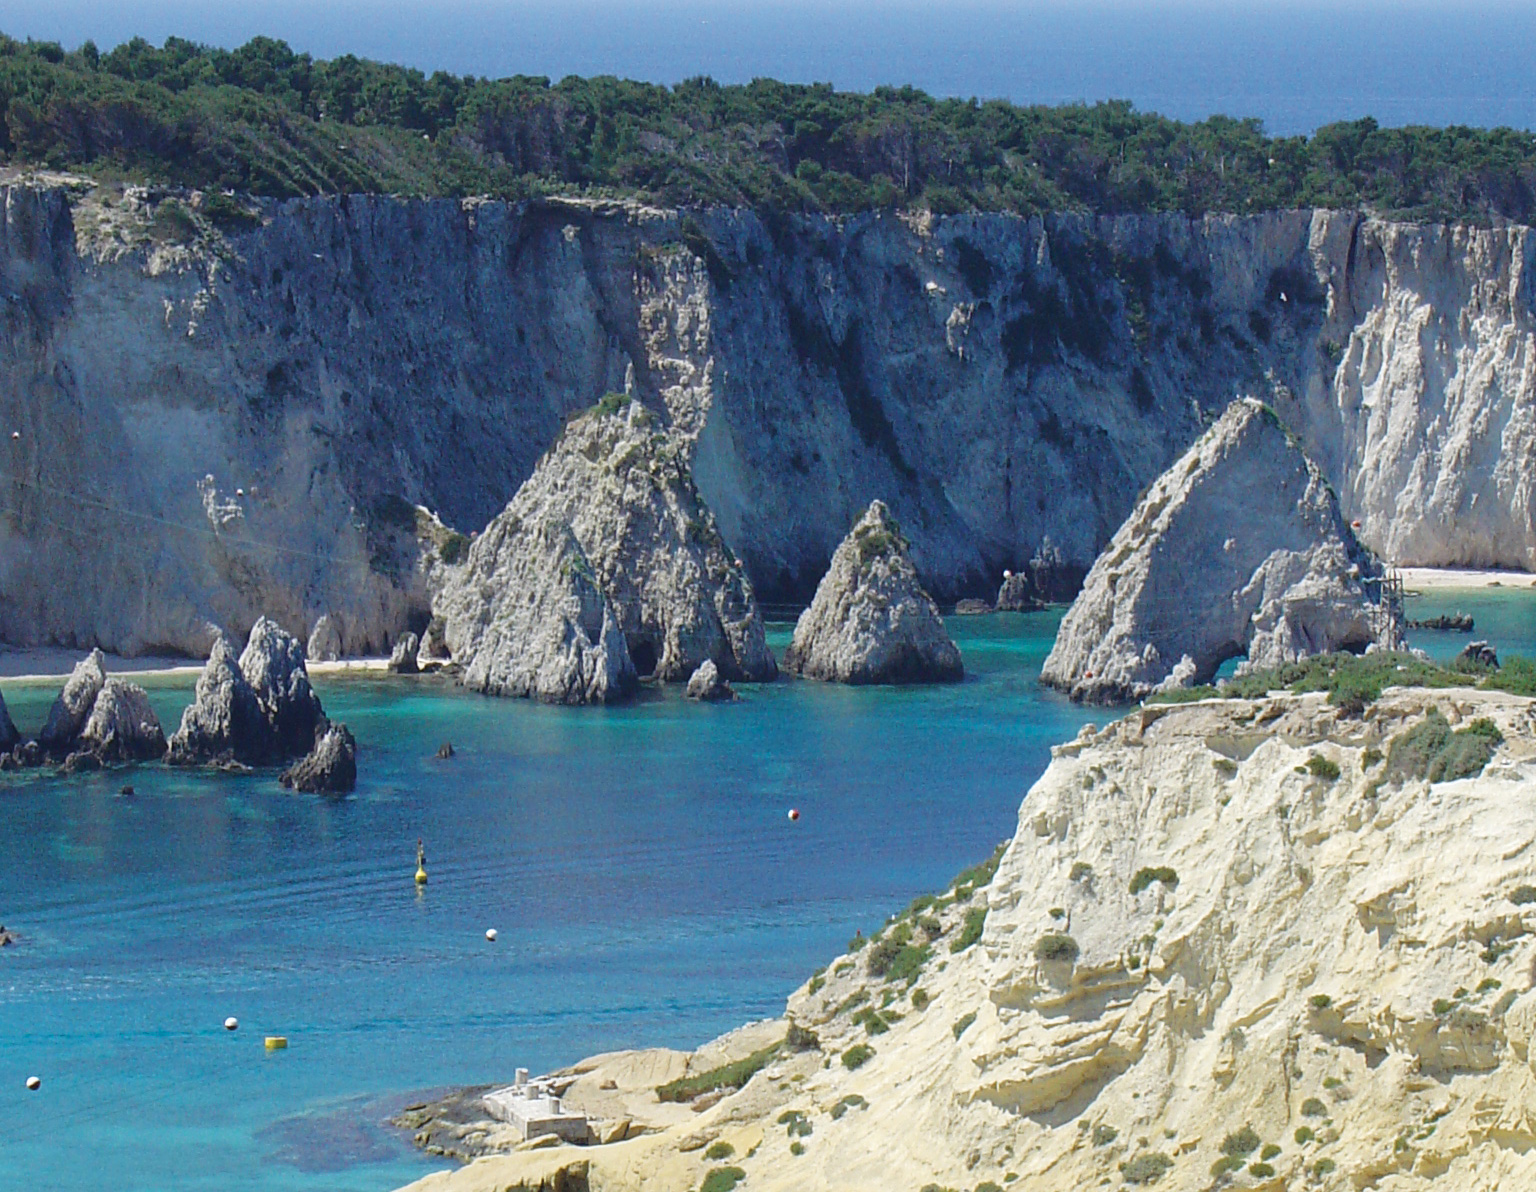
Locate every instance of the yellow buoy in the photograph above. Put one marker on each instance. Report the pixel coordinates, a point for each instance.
(421, 865)
(277, 1042)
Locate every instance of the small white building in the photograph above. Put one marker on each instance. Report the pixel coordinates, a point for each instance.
(532, 1108)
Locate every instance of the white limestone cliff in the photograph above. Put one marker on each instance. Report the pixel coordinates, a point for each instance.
(1227, 937)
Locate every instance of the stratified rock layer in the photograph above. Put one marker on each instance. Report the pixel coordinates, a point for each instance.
(871, 621)
(330, 768)
(1238, 549)
(525, 617)
(258, 711)
(1218, 928)
(621, 489)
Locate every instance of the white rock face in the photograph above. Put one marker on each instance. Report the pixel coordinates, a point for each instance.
(122, 726)
(677, 592)
(73, 705)
(1239, 548)
(324, 641)
(871, 621)
(525, 617)
(707, 685)
(1192, 934)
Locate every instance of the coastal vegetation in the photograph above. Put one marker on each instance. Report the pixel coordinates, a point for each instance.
(266, 120)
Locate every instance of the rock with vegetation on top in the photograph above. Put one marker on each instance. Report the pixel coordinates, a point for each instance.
(707, 684)
(330, 768)
(259, 710)
(402, 661)
(871, 621)
(1238, 549)
(526, 617)
(324, 641)
(622, 489)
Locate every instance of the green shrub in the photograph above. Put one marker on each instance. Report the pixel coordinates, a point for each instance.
(227, 213)
(1320, 1001)
(799, 1038)
(1081, 871)
(727, 1076)
(1443, 1006)
(1489, 984)
(1304, 1135)
(1431, 750)
(1312, 1107)
(873, 1023)
(857, 997)
(857, 1056)
(1146, 876)
(920, 999)
(1517, 675)
(1053, 946)
(908, 964)
(722, 1179)
(851, 1101)
(1226, 1164)
(611, 403)
(1523, 895)
(719, 1150)
(1270, 1151)
(1240, 1142)
(1323, 1167)
(963, 1023)
(1104, 1134)
(1370, 757)
(856, 943)
(1057, 913)
(970, 930)
(970, 880)
(797, 1148)
(816, 984)
(1145, 1169)
(1321, 767)
(989, 1186)
(1332, 1082)
(1260, 1171)
(455, 546)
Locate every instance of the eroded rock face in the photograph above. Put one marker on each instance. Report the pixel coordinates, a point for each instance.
(324, 641)
(622, 491)
(329, 768)
(258, 711)
(122, 726)
(525, 617)
(402, 660)
(707, 684)
(1239, 548)
(871, 621)
(73, 706)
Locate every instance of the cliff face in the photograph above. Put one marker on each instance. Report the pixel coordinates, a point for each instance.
(214, 426)
(1227, 937)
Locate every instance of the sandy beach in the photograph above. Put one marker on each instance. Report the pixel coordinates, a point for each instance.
(1437, 579)
(48, 664)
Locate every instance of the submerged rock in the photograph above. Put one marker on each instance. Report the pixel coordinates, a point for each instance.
(650, 548)
(402, 661)
(707, 684)
(871, 621)
(329, 768)
(258, 711)
(324, 641)
(527, 618)
(1239, 548)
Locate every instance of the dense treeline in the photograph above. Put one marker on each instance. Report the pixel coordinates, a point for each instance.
(266, 120)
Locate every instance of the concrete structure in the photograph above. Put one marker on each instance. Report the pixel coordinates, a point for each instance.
(533, 1109)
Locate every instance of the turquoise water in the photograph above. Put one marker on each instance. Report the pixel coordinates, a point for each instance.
(638, 864)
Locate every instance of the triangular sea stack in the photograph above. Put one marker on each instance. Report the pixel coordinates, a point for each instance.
(1239, 548)
(871, 621)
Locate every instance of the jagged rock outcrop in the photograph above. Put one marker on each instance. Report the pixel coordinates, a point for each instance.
(1238, 549)
(1479, 654)
(1018, 594)
(257, 711)
(525, 616)
(1220, 929)
(402, 660)
(330, 768)
(96, 719)
(621, 489)
(709, 685)
(122, 725)
(324, 641)
(871, 621)
(433, 652)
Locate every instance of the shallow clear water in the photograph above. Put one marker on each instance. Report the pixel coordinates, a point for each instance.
(638, 864)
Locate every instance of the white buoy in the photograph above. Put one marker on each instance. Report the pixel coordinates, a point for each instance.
(15, 434)
(34, 1083)
(491, 935)
(231, 1023)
